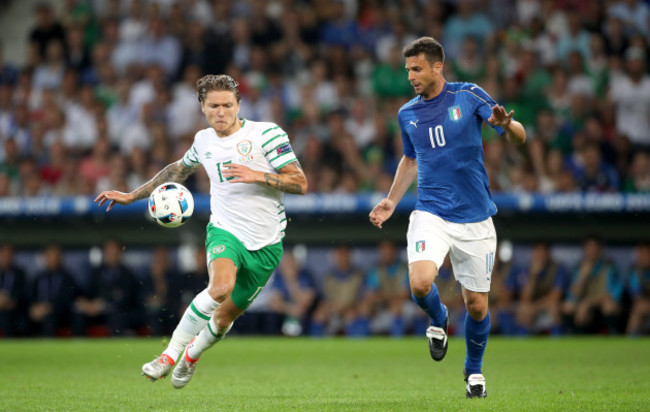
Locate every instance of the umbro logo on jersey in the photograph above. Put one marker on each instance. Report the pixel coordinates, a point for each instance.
(208, 155)
(414, 123)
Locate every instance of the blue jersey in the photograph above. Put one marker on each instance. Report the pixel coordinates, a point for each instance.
(444, 135)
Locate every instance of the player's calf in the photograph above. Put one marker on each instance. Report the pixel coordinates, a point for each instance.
(438, 339)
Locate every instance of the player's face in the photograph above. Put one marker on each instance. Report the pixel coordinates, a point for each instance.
(220, 109)
(424, 76)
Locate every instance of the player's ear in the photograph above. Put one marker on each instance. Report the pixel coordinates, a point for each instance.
(438, 66)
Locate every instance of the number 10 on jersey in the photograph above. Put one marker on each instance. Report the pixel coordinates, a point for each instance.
(437, 136)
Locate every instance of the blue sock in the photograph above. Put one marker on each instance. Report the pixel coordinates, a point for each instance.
(476, 336)
(432, 305)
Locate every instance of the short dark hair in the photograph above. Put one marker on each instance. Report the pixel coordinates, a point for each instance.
(220, 82)
(430, 47)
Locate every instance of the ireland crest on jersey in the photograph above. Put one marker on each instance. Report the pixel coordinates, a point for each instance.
(244, 147)
(454, 113)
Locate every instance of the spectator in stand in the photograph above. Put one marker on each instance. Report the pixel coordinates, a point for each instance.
(595, 290)
(191, 283)
(8, 71)
(13, 291)
(469, 65)
(49, 74)
(51, 296)
(47, 29)
(389, 78)
(96, 165)
(339, 308)
(467, 21)
(387, 292)
(639, 279)
(596, 175)
(576, 38)
(638, 179)
(293, 295)
(630, 91)
(112, 298)
(540, 300)
(159, 298)
(157, 47)
(633, 13)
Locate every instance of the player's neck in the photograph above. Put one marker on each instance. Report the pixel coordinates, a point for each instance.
(436, 89)
(234, 129)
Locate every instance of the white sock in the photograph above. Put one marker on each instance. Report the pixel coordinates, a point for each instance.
(194, 319)
(210, 335)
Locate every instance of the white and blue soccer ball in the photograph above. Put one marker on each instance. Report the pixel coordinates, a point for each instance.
(171, 204)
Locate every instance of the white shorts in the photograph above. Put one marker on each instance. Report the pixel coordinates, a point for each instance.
(471, 247)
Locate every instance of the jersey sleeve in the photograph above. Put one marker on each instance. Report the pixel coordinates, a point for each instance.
(191, 157)
(276, 147)
(407, 144)
(483, 104)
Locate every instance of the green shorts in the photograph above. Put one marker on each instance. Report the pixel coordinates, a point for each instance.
(254, 268)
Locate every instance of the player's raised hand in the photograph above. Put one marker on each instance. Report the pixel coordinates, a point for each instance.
(382, 212)
(500, 117)
(241, 174)
(115, 197)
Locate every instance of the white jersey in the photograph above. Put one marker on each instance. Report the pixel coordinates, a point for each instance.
(252, 212)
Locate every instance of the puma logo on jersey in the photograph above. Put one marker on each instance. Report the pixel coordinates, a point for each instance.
(414, 123)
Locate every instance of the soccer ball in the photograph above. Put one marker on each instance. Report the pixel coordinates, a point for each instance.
(171, 204)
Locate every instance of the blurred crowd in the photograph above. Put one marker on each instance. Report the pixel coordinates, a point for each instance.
(106, 95)
(539, 295)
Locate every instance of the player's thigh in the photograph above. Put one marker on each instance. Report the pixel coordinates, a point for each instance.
(224, 257)
(426, 239)
(472, 254)
(222, 272)
(422, 273)
(257, 267)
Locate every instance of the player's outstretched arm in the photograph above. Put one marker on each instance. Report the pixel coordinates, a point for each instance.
(406, 172)
(514, 131)
(174, 172)
(290, 178)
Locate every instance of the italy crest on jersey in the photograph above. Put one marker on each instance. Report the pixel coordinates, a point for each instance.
(454, 113)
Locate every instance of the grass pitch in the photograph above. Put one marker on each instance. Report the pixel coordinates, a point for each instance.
(280, 374)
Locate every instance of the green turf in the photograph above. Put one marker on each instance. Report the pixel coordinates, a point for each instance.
(280, 374)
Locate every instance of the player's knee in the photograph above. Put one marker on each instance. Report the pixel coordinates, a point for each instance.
(222, 322)
(477, 309)
(219, 292)
(420, 286)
